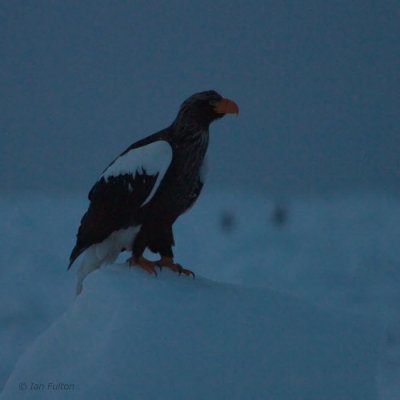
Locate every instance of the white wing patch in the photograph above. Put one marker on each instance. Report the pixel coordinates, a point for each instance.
(153, 158)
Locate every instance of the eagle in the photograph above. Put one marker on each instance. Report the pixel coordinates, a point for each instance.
(138, 197)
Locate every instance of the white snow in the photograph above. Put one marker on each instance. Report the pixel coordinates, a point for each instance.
(153, 158)
(130, 335)
(340, 253)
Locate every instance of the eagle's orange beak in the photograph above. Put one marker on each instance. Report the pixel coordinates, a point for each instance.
(226, 106)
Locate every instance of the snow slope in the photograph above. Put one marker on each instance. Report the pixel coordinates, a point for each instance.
(133, 336)
(339, 252)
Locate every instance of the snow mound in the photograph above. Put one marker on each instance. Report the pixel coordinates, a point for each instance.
(130, 335)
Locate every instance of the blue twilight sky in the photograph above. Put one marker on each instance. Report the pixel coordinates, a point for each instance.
(317, 83)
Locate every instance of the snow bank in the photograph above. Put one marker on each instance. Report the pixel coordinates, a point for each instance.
(133, 336)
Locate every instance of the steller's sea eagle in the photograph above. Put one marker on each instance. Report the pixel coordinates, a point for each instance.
(143, 191)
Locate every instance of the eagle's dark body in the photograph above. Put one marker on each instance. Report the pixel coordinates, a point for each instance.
(149, 186)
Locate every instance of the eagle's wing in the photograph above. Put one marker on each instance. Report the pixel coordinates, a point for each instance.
(126, 185)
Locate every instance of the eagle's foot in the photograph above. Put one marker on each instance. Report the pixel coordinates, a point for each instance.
(143, 263)
(167, 262)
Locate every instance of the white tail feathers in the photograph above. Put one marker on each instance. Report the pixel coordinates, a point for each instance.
(104, 253)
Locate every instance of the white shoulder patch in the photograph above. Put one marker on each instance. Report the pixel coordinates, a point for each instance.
(153, 158)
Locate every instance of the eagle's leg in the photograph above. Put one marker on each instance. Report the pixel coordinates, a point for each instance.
(144, 263)
(165, 261)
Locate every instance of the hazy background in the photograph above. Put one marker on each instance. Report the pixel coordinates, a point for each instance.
(317, 83)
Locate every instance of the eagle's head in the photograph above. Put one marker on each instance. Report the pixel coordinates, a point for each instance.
(204, 107)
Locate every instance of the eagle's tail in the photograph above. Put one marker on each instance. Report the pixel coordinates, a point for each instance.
(75, 253)
(90, 262)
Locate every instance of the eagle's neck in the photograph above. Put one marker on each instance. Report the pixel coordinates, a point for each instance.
(190, 133)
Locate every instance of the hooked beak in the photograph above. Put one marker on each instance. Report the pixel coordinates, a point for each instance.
(226, 106)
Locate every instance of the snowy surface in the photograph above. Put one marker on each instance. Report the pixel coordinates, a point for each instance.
(133, 336)
(340, 253)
